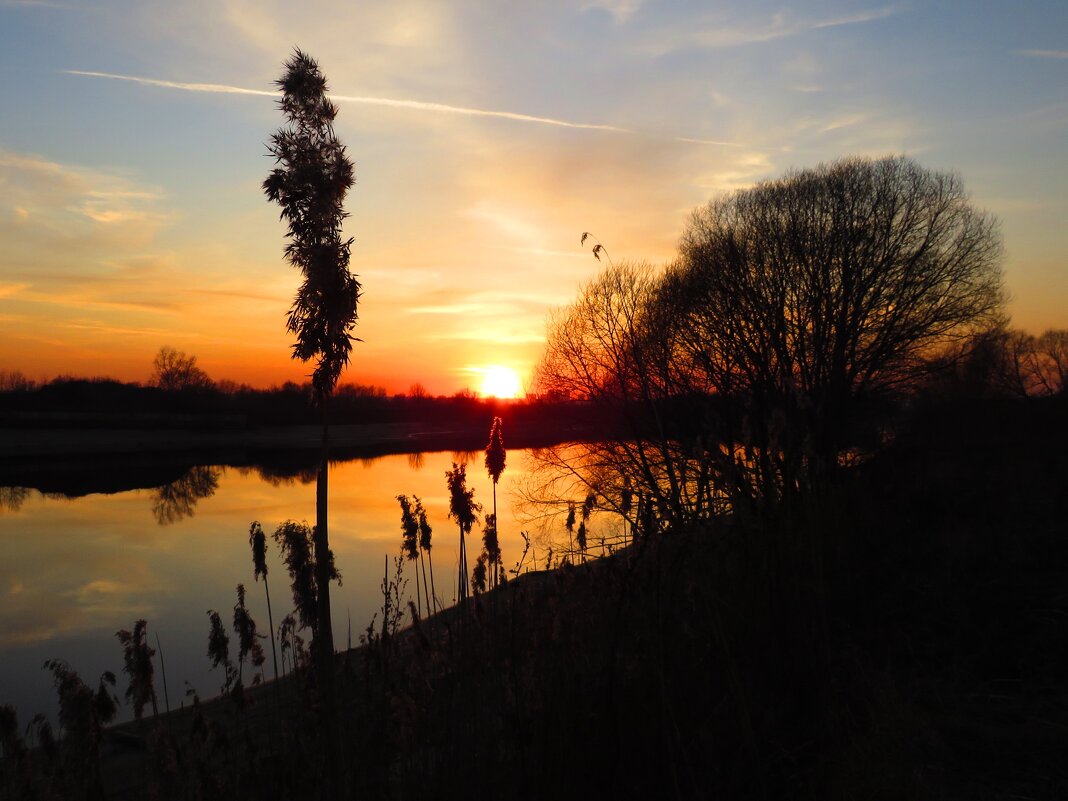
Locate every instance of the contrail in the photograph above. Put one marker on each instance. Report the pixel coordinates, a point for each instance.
(416, 105)
(217, 88)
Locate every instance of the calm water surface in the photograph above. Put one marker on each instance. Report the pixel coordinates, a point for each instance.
(75, 570)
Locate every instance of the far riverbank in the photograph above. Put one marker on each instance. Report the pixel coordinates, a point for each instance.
(77, 461)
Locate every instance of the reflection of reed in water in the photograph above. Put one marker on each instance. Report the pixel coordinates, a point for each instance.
(178, 500)
(12, 498)
(416, 461)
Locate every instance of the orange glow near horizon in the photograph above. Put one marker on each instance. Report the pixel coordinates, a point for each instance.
(499, 382)
(478, 164)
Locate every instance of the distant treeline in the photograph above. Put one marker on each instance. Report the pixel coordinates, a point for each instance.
(102, 402)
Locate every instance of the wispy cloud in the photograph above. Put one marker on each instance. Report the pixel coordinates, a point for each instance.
(388, 102)
(568, 254)
(59, 199)
(495, 335)
(505, 221)
(855, 19)
(1044, 53)
(780, 26)
(454, 308)
(847, 121)
(102, 327)
(621, 10)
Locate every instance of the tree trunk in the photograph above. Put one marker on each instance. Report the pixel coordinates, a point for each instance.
(324, 635)
(497, 525)
(324, 629)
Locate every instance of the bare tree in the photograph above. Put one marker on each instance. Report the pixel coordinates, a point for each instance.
(173, 370)
(806, 293)
(1022, 364)
(1049, 364)
(610, 350)
(733, 376)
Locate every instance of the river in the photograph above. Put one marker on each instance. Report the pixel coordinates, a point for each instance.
(77, 569)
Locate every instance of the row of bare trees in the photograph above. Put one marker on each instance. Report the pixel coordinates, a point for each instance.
(734, 376)
(1018, 364)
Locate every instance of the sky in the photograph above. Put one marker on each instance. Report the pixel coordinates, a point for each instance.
(487, 137)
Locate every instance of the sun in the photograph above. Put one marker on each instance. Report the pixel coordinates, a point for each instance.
(500, 382)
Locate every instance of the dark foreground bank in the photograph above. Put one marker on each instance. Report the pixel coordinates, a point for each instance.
(928, 660)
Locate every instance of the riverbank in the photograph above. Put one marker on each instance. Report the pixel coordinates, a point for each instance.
(42, 442)
(925, 662)
(77, 462)
(379, 438)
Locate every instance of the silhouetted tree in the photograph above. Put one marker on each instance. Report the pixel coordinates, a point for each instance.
(173, 370)
(1025, 365)
(310, 182)
(16, 381)
(826, 286)
(1052, 368)
(735, 374)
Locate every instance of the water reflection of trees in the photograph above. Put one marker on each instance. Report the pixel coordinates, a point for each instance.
(286, 476)
(416, 461)
(466, 457)
(12, 498)
(178, 500)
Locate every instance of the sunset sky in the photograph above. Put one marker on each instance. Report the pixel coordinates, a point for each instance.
(487, 137)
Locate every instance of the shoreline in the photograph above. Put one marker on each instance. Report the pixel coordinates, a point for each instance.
(381, 438)
(76, 462)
